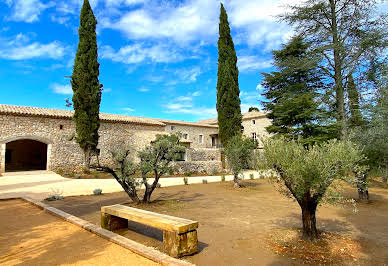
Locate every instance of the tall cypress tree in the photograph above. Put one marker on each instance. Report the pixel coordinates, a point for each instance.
(87, 89)
(355, 119)
(228, 92)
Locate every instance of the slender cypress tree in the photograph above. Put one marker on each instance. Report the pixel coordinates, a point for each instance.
(355, 119)
(86, 86)
(228, 92)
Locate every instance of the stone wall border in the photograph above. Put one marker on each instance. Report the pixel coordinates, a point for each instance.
(147, 252)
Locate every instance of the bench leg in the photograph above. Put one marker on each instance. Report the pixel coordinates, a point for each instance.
(179, 245)
(111, 223)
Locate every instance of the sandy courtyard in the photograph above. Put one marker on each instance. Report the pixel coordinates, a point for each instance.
(30, 236)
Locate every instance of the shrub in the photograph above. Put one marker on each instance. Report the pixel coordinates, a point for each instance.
(239, 153)
(214, 171)
(85, 171)
(188, 174)
(55, 194)
(186, 180)
(158, 185)
(204, 181)
(204, 172)
(223, 178)
(251, 176)
(60, 171)
(96, 174)
(97, 191)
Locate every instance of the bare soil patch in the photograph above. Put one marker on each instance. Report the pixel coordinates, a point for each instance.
(30, 236)
(255, 225)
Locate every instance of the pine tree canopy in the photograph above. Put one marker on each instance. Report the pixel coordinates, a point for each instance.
(292, 93)
(85, 83)
(228, 92)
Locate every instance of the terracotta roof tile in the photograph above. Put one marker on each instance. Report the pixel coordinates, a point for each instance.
(249, 115)
(177, 122)
(67, 114)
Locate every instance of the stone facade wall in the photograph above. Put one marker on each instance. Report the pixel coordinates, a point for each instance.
(199, 160)
(258, 127)
(193, 133)
(66, 154)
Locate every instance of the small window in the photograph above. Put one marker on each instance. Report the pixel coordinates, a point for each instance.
(172, 127)
(185, 136)
(254, 136)
(182, 157)
(254, 122)
(200, 139)
(60, 127)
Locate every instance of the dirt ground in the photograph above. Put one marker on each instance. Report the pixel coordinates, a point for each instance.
(235, 224)
(30, 236)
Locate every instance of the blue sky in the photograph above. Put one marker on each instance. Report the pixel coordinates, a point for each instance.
(158, 58)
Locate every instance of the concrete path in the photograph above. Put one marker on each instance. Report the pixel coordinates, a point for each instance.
(39, 185)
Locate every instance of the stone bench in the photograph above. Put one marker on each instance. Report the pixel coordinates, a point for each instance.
(179, 235)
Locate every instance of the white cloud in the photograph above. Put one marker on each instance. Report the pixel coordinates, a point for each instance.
(250, 62)
(185, 105)
(143, 89)
(188, 75)
(139, 52)
(191, 20)
(127, 109)
(27, 10)
(62, 89)
(124, 2)
(18, 49)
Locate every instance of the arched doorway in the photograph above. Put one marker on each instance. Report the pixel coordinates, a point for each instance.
(25, 154)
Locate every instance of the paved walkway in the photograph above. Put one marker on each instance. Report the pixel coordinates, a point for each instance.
(30, 236)
(39, 185)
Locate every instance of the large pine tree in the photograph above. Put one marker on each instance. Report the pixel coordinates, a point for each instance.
(228, 92)
(86, 86)
(292, 93)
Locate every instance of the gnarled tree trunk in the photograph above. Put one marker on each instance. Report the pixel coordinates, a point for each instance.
(235, 180)
(363, 193)
(150, 188)
(309, 208)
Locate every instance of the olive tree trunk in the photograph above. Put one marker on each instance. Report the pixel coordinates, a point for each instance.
(362, 188)
(150, 188)
(309, 209)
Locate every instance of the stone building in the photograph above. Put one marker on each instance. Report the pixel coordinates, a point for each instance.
(38, 138)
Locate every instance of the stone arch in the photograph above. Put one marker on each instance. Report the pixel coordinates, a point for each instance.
(29, 138)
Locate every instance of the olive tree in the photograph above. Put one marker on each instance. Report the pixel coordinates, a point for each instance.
(157, 159)
(123, 171)
(239, 154)
(307, 174)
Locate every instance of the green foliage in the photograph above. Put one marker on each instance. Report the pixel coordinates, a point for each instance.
(307, 174)
(253, 109)
(214, 171)
(60, 171)
(97, 191)
(251, 177)
(310, 170)
(356, 119)
(347, 34)
(239, 154)
(204, 181)
(188, 173)
(157, 159)
(228, 91)
(186, 180)
(223, 178)
(293, 94)
(86, 86)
